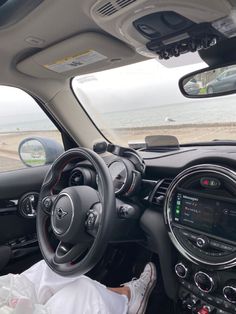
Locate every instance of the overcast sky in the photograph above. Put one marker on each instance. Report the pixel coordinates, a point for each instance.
(140, 85)
(13, 101)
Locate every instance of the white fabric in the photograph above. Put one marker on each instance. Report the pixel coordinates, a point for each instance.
(39, 290)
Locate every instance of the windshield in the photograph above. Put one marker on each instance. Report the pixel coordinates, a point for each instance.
(132, 102)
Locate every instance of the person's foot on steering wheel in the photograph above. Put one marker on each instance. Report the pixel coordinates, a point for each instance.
(140, 289)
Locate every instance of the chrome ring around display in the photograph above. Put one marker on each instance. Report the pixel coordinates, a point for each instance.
(210, 279)
(215, 169)
(225, 296)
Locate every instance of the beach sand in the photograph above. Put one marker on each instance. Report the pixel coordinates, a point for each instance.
(184, 133)
(9, 142)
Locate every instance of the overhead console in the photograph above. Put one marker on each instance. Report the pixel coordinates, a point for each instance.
(166, 28)
(170, 34)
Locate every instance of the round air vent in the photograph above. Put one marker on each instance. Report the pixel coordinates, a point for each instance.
(28, 205)
(76, 178)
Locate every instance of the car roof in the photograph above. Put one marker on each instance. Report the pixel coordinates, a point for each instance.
(37, 37)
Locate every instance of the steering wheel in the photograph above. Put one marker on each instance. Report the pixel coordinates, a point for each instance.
(80, 217)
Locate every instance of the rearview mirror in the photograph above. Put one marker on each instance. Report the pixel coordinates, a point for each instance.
(209, 82)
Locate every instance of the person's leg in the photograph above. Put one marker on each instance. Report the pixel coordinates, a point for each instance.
(86, 296)
(139, 290)
(122, 290)
(46, 282)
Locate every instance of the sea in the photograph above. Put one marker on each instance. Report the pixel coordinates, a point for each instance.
(26, 123)
(191, 112)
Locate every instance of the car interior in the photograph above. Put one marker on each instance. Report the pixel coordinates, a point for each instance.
(112, 195)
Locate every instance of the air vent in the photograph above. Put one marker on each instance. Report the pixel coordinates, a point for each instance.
(107, 9)
(124, 3)
(158, 195)
(111, 7)
(76, 178)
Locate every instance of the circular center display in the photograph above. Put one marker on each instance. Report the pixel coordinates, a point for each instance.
(200, 213)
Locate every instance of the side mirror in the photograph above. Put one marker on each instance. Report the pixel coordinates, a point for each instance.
(39, 151)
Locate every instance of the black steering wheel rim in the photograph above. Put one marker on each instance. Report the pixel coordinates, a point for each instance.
(107, 216)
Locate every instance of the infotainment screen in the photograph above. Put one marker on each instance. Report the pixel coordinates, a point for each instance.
(212, 216)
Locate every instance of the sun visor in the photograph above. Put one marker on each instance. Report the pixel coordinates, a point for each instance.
(84, 53)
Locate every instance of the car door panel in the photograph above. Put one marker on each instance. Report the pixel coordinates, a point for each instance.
(18, 233)
(14, 184)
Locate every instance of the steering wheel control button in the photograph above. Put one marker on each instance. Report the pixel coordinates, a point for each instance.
(62, 214)
(229, 292)
(91, 220)
(181, 270)
(127, 211)
(204, 282)
(47, 203)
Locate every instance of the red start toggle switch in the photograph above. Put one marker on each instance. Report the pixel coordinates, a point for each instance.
(204, 310)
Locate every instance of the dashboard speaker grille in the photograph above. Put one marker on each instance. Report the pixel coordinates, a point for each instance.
(108, 8)
(159, 193)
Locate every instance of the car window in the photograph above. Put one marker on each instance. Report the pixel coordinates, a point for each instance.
(132, 102)
(231, 73)
(24, 126)
(223, 75)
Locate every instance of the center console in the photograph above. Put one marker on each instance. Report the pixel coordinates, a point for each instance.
(200, 214)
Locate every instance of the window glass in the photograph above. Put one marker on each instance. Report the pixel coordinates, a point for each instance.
(223, 75)
(138, 100)
(22, 118)
(231, 73)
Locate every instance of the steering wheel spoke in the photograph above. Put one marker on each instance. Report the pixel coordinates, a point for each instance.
(93, 219)
(67, 253)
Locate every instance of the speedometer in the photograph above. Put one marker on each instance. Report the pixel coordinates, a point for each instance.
(119, 175)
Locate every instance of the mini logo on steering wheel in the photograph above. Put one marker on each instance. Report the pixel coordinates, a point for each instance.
(60, 213)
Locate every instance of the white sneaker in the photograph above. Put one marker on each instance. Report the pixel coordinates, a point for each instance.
(140, 289)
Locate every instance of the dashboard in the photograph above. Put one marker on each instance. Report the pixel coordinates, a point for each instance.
(193, 192)
(197, 198)
(122, 173)
(178, 204)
